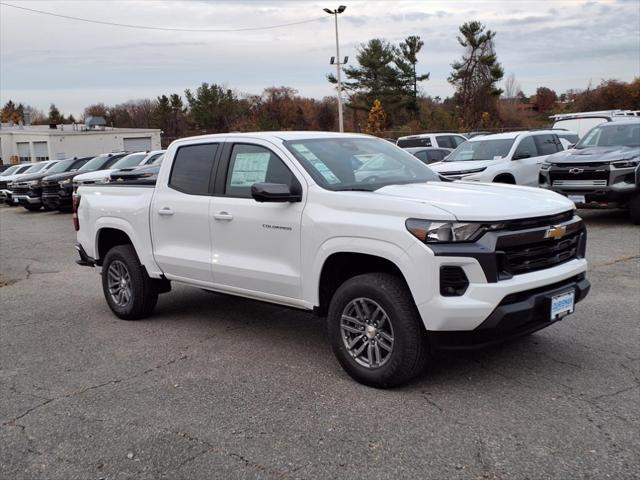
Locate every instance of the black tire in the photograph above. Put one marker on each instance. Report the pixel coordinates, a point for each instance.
(634, 209)
(143, 292)
(32, 208)
(409, 352)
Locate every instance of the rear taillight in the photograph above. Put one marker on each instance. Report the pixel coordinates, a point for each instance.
(75, 204)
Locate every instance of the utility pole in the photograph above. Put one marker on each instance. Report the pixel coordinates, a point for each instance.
(338, 64)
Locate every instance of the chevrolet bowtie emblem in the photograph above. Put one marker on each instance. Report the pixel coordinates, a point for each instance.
(557, 231)
(576, 170)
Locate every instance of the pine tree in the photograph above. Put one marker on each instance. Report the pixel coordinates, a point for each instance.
(54, 115)
(476, 75)
(377, 118)
(406, 60)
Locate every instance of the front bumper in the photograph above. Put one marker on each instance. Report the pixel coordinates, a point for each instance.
(600, 183)
(27, 200)
(516, 315)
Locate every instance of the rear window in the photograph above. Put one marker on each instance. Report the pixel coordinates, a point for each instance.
(414, 142)
(192, 168)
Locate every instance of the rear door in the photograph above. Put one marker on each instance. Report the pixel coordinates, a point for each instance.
(256, 245)
(180, 214)
(526, 161)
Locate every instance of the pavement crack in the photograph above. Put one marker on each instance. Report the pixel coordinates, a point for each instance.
(614, 261)
(28, 411)
(613, 394)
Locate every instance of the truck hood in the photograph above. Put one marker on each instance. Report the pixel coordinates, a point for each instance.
(594, 154)
(95, 175)
(442, 167)
(474, 201)
(31, 176)
(58, 177)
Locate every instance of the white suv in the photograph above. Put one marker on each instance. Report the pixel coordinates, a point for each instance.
(440, 140)
(513, 157)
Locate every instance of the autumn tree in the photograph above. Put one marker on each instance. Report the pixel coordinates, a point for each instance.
(476, 75)
(377, 118)
(406, 60)
(12, 112)
(545, 99)
(96, 110)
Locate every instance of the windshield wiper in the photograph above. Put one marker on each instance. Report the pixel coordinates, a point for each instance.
(355, 189)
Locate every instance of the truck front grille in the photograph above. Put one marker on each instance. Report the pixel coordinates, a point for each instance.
(50, 189)
(585, 174)
(579, 183)
(20, 190)
(539, 255)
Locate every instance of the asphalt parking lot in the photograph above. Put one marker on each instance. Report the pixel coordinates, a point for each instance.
(214, 386)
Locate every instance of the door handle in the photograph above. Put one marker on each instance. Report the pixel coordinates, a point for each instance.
(223, 216)
(165, 211)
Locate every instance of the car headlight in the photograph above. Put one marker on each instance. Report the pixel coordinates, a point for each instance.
(546, 166)
(103, 180)
(446, 232)
(626, 163)
(64, 182)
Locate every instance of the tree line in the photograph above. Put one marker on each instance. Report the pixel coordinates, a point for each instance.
(384, 96)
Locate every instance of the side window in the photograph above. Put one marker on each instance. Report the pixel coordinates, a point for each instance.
(457, 140)
(434, 156)
(191, 168)
(526, 148)
(251, 164)
(422, 155)
(444, 141)
(547, 144)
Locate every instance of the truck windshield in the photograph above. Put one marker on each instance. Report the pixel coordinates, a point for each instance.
(132, 160)
(358, 163)
(481, 150)
(612, 135)
(9, 171)
(94, 164)
(62, 166)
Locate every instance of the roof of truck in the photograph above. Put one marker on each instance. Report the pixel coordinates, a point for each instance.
(285, 135)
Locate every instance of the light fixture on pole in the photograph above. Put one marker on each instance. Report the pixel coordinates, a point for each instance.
(337, 63)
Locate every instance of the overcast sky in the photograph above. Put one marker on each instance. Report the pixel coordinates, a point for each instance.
(559, 44)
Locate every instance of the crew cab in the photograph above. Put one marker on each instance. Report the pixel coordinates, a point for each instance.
(513, 157)
(400, 261)
(603, 168)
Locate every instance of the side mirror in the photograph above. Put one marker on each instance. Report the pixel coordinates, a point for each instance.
(521, 155)
(276, 192)
(570, 146)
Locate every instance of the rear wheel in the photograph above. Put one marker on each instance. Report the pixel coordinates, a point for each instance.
(376, 332)
(129, 291)
(505, 179)
(634, 209)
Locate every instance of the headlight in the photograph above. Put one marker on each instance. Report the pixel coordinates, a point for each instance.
(546, 166)
(626, 163)
(65, 182)
(445, 232)
(33, 183)
(103, 180)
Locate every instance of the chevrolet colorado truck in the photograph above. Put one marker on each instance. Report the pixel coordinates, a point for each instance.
(602, 168)
(399, 260)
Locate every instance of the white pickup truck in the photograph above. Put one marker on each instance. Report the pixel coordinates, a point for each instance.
(401, 261)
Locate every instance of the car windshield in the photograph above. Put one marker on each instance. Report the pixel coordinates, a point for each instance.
(132, 160)
(358, 163)
(158, 161)
(481, 150)
(62, 166)
(35, 168)
(94, 164)
(10, 170)
(612, 135)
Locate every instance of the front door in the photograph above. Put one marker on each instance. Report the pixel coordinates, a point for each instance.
(256, 245)
(526, 162)
(180, 215)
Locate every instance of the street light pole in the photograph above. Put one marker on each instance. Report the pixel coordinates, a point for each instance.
(335, 13)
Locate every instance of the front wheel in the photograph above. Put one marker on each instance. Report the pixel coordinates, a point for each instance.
(129, 291)
(634, 209)
(376, 332)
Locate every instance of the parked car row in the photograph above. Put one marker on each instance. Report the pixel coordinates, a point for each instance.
(51, 184)
(601, 167)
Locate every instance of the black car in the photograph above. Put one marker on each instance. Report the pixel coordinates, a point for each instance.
(602, 168)
(57, 190)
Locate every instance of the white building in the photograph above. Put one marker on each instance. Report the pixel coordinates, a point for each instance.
(31, 143)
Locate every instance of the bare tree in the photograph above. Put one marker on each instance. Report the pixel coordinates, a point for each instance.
(511, 88)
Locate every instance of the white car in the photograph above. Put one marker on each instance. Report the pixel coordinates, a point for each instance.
(399, 263)
(132, 160)
(582, 122)
(440, 140)
(513, 157)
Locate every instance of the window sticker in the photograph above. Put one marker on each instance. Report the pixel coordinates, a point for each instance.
(249, 168)
(318, 164)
